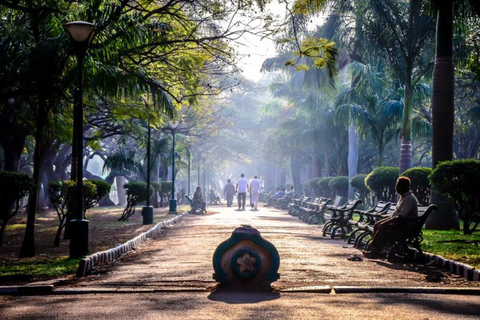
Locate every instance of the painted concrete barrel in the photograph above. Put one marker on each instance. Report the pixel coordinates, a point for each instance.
(246, 260)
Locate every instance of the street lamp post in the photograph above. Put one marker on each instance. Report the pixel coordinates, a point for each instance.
(189, 170)
(147, 211)
(173, 125)
(81, 33)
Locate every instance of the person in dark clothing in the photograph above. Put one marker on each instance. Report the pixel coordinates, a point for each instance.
(406, 210)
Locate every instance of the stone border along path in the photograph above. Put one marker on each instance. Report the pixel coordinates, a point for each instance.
(87, 264)
(466, 271)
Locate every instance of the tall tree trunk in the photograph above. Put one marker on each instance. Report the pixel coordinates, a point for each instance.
(296, 169)
(28, 245)
(316, 163)
(122, 198)
(352, 157)
(327, 165)
(12, 144)
(443, 113)
(406, 155)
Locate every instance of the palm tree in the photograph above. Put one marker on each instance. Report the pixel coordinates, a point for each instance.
(371, 107)
(443, 105)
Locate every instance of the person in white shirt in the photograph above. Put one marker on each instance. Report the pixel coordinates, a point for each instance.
(241, 189)
(406, 210)
(254, 192)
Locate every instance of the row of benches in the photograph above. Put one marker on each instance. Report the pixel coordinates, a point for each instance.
(356, 226)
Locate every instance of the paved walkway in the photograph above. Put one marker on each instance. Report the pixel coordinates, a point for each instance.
(182, 257)
(168, 278)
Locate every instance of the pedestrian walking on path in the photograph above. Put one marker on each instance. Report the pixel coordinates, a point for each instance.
(254, 192)
(241, 188)
(228, 192)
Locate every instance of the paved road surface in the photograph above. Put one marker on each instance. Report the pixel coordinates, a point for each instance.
(169, 278)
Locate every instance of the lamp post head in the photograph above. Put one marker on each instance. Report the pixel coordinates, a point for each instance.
(81, 33)
(173, 125)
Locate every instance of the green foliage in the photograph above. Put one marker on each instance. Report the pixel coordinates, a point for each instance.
(136, 192)
(324, 188)
(459, 180)
(339, 186)
(358, 184)
(162, 186)
(313, 185)
(13, 188)
(420, 185)
(62, 193)
(98, 190)
(382, 181)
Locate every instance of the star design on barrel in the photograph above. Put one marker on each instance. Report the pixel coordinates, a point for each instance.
(246, 262)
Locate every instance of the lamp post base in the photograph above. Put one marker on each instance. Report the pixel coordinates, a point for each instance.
(173, 206)
(147, 214)
(79, 237)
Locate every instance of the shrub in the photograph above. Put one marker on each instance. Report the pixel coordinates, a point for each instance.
(62, 192)
(324, 189)
(361, 190)
(420, 183)
(381, 181)
(312, 185)
(136, 192)
(101, 188)
(459, 180)
(339, 185)
(14, 187)
(163, 188)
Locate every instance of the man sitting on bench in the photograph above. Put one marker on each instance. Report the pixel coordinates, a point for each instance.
(385, 229)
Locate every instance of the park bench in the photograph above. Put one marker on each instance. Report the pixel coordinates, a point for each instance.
(406, 241)
(196, 206)
(307, 206)
(297, 204)
(313, 214)
(335, 203)
(366, 229)
(338, 218)
(283, 202)
(265, 197)
(363, 218)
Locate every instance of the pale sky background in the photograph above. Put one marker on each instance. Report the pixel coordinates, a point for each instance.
(257, 49)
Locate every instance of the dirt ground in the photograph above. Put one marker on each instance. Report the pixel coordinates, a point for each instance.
(104, 228)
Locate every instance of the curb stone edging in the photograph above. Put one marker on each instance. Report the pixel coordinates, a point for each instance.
(458, 268)
(87, 264)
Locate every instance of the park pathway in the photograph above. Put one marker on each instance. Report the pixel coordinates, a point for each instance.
(181, 258)
(169, 277)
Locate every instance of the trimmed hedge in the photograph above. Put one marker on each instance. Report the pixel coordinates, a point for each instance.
(339, 185)
(382, 181)
(361, 189)
(324, 188)
(459, 180)
(420, 183)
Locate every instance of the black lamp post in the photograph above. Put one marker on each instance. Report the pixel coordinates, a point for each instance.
(189, 170)
(173, 125)
(81, 33)
(147, 211)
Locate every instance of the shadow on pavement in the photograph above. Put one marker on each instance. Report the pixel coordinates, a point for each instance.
(240, 297)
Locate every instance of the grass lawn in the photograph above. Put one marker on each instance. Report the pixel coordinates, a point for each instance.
(453, 245)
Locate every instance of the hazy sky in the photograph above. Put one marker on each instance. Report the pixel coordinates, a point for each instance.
(257, 49)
